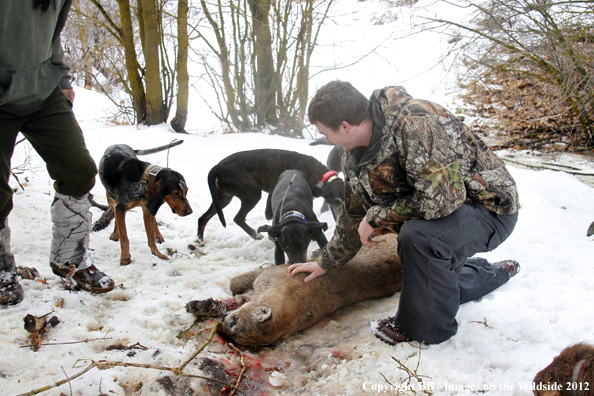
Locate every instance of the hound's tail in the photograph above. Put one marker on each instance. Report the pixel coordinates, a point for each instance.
(212, 186)
(160, 148)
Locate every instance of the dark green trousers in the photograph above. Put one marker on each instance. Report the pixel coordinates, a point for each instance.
(56, 136)
(438, 276)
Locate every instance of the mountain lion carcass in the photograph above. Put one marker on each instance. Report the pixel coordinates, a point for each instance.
(273, 305)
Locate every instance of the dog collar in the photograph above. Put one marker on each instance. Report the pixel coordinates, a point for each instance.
(577, 370)
(328, 177)
(294, 213)
(148, 178)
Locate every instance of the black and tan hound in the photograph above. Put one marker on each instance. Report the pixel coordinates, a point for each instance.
(129, 183)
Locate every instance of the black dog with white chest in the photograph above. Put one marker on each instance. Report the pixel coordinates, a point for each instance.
(294, 223)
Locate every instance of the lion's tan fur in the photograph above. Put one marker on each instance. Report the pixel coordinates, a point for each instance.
(279, 305)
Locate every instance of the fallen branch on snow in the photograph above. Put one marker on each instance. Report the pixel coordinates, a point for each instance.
(550, 168)
(410, 375)
(104, 365)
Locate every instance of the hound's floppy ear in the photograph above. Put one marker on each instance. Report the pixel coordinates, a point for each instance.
(316, 233)
(155, 202)
(317, 191)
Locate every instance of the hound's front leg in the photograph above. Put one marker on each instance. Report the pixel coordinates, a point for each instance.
(150, 225)
(115, 236)
(120, 229)
(158, 236)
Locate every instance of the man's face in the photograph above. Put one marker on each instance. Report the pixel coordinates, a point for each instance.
(334, 137)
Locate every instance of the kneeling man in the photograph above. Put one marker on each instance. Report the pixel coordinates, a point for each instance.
(412, 166)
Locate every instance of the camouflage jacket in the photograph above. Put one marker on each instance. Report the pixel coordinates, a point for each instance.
(422, 162)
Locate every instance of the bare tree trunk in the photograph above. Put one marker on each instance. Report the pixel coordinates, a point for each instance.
(155, 112)
(178, 123)
(87, 58)
(132, 66)
(292, 103)
(242, 39)
(307, 44)
(264, 75)
(223, 56)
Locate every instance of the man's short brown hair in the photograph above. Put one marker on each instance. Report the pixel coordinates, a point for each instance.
(336, 102)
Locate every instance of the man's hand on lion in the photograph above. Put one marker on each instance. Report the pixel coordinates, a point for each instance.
(365, 233)
(312, 267)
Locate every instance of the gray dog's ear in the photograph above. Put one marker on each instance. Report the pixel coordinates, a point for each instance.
(264, 228)
(313, 225)
(273, 231)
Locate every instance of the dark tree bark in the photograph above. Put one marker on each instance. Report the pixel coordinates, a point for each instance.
(132, 66)
(264, 73)
(178, 123)
(155, 110)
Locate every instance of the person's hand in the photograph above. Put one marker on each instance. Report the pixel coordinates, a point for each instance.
(312, 267)
(70, 93)
(365, 232)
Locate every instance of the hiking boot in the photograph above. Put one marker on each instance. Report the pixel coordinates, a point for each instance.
(388, 331)
(89, 279)
(512, 267)
(11, 292)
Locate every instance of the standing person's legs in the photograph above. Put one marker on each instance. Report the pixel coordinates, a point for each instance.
(56, 136)
(433, 253)
(11, 291)
(9, 130)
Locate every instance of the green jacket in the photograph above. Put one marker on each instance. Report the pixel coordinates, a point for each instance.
(422, 163)
(32, 60)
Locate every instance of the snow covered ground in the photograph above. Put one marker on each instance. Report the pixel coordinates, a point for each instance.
(502, 342)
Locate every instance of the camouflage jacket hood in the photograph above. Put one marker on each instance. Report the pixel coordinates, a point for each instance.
(422, 162)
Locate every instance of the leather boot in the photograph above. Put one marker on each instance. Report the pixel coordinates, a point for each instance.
(512, 267)
(388, 331)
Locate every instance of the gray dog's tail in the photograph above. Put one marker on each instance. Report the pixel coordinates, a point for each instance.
(160, 148)
(212, 186)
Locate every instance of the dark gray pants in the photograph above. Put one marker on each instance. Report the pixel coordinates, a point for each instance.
(55, 135)
(438, 275)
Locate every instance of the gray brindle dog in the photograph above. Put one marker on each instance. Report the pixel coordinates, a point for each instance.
(294, 223)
